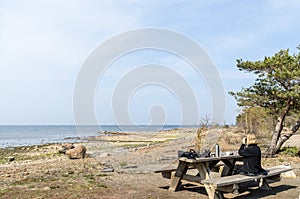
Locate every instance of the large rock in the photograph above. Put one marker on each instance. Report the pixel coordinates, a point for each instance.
(289, 174)
(66, 147)
(76, 153)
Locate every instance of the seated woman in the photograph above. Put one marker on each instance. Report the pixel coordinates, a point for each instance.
(251, 157)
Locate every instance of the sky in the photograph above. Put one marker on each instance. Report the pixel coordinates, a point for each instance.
(44, 44)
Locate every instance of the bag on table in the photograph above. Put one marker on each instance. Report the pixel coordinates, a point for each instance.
(192, 154)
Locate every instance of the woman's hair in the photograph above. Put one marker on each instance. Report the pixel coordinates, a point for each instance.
(251, 139)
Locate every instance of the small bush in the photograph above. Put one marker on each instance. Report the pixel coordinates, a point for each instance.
(71, 172)
(90, 176)
(290, 151)
(102, 175)
(123, 164)
(102, 185)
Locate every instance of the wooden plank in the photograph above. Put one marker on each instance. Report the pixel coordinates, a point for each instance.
(217, 168)
(263, 185)
(171, 168)
(230, 157)
(167, 169)
(227, 188)
(278, 170)
(228, 180)
(213, 164)
(228, 168)
(166, 175)
(227, 183)
(191, 178)
(166, 172)
(201, 170)
(275, 178)
(235, 179)
(180, 171)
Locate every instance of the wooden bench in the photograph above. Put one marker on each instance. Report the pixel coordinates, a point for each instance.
(230, 183)
(166, 172)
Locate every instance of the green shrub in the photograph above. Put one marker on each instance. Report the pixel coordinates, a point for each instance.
(290, 151)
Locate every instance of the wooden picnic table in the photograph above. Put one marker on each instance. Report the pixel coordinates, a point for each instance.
(215, 185)
(204, 167)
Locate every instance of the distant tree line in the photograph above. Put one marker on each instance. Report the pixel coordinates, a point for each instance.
(258, 121)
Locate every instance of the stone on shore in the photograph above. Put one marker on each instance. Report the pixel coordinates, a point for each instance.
(106, 170)
(10, 158)
(66, 147)
(77, 153)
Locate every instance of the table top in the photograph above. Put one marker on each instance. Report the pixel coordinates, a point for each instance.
(208, 159)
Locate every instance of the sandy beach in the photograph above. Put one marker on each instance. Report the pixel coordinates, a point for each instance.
(120, 166)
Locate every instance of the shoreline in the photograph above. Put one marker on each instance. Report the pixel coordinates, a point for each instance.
(75, 138)
(119, 166)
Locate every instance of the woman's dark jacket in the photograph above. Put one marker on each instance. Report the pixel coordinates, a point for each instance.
(252, 159)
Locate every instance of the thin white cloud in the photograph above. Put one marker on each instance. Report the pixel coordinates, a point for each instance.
(44, 43)
(54, 34)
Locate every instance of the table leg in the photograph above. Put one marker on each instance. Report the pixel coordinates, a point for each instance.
(264, 185)
(228, 167)
(204, 171)
(176, 179)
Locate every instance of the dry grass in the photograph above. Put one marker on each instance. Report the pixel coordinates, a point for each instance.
(229, 139)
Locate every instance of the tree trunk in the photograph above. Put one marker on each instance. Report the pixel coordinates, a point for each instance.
(275, 136)
(282, 139)
(277, 132)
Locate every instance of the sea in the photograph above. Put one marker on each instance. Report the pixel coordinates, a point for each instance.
(29, 135)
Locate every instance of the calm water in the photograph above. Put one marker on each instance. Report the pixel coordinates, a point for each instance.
(11, 136)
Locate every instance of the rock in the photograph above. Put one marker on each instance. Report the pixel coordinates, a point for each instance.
(289, 174)
(88, 155)
(47, 188)
(66, 147)
(108, 170)
(76, 153)
(129, 167)
(102, 155)
(167, 158)
(10, 159)
(106, 165)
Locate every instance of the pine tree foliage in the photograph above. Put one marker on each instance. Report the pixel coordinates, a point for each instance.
(276, 88)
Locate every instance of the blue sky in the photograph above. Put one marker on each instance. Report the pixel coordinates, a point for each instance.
(44, 43)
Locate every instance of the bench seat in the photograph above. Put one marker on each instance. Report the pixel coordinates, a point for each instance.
(236, 179)
(217, 186)
(166, 172)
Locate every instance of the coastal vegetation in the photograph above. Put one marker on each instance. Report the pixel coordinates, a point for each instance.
(117, 169)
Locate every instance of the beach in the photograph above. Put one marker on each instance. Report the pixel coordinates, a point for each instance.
(30, 135)
(120, 165)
